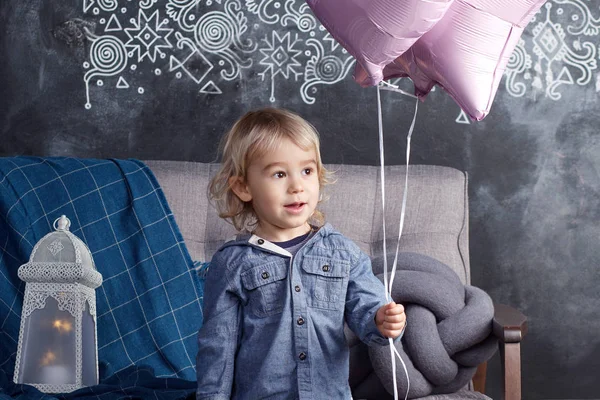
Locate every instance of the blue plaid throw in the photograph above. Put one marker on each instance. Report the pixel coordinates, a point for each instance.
(149, 305)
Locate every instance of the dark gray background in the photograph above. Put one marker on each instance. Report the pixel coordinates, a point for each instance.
(533, 163)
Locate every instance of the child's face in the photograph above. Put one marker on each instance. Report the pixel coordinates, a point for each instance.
(284, 189)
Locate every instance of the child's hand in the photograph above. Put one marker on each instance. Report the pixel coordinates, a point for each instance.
(390, 320)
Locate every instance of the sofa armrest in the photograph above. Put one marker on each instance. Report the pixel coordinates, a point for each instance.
(510, 327)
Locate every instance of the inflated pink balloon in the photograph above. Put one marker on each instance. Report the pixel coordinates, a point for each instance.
(466, 52)
(376, 32)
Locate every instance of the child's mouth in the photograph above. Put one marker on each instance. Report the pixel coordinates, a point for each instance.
(294, 207)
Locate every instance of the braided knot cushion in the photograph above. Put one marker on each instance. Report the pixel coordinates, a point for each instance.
(448, 331)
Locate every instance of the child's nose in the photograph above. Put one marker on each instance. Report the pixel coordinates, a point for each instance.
(295, 185)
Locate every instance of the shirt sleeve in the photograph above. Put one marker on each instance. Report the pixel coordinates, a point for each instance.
(364, 296)
(218, 336)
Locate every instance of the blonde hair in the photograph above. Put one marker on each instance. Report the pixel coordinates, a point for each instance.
(252, 136)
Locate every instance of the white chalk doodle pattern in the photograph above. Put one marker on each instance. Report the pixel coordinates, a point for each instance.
(212, 43)
(551, 56)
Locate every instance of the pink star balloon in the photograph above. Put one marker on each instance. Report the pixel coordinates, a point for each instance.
(465, 53)
(376, 32)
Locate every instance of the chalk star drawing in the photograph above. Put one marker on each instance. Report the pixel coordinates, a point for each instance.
(212, 43)
(332, 42)
(280, 58)
(145, 37)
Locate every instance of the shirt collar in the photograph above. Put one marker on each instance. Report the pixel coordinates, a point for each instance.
(264, 244)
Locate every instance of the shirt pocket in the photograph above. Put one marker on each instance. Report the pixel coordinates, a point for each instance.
(327, 280)
(266, 288)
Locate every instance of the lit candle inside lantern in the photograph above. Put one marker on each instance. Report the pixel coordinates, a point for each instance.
(62, 326)
(53, 374)
(48, 358)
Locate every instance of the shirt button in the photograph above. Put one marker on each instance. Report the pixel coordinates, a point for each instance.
(300, 321)
(325, 268)
(297, 288)
(302, 356)
(261, 241)
(265, 275)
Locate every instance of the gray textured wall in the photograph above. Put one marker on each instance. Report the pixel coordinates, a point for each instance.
(163, 80)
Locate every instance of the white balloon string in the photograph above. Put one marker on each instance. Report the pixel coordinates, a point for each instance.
(382, 173)
(388, 285)
(404, 195)
(385, 280)
(405, 373)
(394, 88)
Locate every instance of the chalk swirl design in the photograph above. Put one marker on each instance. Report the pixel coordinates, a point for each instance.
(306, 23)
(329, 68)
(215, 31)
(108, 57)
(518, 62)
(146, 4)
(302, 18)
(108, 5)
(322, 69)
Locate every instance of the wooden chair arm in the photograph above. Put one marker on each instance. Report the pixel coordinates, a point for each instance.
(510, 327)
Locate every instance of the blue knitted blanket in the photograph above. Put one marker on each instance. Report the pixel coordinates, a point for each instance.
(149, 305)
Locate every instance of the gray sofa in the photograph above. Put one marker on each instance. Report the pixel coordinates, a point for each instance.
(436, 225)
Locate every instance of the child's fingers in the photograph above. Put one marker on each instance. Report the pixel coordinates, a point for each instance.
(394, 309)
(393, 326)
(392, 333)
(396, 318)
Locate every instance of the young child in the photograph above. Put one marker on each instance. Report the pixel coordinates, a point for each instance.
(276, 297)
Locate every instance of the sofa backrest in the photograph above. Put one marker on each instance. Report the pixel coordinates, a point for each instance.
(436, 219)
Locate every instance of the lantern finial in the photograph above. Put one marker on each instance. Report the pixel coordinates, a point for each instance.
(62, 224)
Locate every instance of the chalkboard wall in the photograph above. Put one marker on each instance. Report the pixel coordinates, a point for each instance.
(163, 79)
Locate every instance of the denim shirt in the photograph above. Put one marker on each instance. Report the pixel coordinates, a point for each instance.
(274, 323)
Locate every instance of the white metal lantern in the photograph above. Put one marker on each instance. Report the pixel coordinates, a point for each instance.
(58, 347)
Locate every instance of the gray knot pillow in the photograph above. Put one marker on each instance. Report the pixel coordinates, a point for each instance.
(448, 331)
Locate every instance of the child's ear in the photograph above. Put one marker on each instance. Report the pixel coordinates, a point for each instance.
(239, 187)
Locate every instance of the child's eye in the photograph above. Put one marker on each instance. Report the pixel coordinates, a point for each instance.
(307, 171)
(279, 174)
